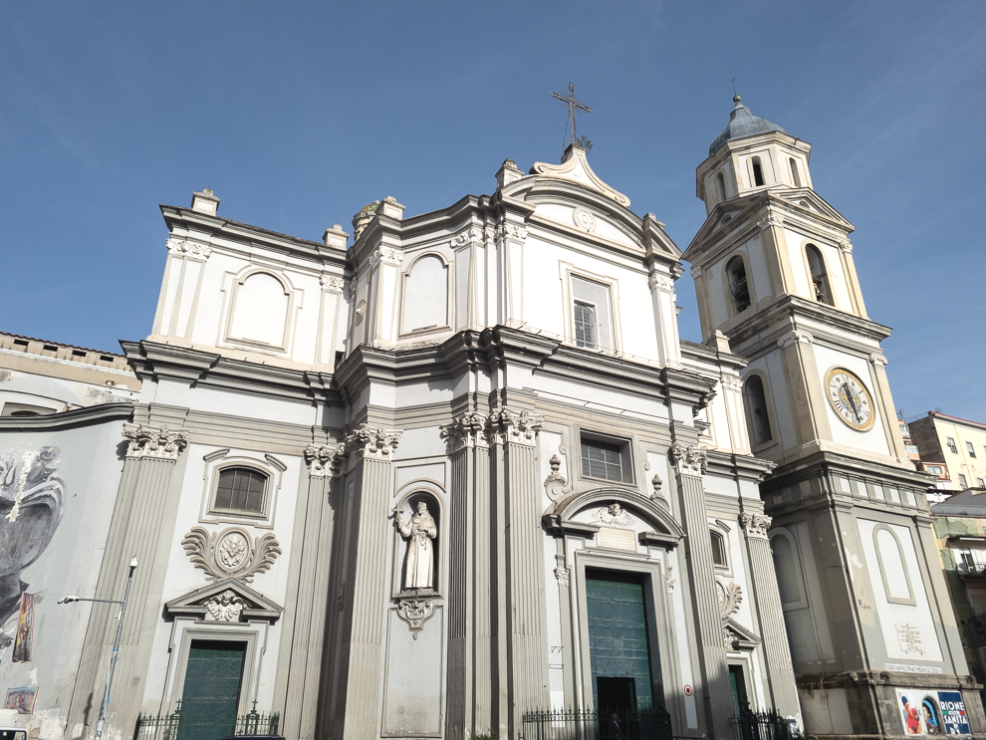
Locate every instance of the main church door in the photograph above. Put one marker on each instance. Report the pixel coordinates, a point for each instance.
(212, 689)
(619, 644)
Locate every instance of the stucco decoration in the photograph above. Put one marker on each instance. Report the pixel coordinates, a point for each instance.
(474, 234)
(415, 612)
(388, 256)
(226, 607)
(669, 580)
(372, 442)
(324, 460)
(575, 168)
(159, 443)
(466, 431)
(657, 280)
(419, 561)
(562, 576)
(555, 484)
(331, 283)
(909, 638)
(613, 515)
(359, 313)
(505, 426)
(730, 598)
(32, 500)
(584, 220)
(656, 483)
(755, 525)
(184, 248)
(771, 219)
(233, 553)
(688, 460)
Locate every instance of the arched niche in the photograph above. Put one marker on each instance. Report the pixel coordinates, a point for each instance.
(893, 567)
(261, 305)
(425, 304)
(665, 530)
(787, 567)
(408, 553)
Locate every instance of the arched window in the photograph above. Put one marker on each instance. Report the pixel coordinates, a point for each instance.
(241, 489)
(756, 408)
(718, 550)
(757, 172)
(819, 280)
(736, 275)
(721, 183)
(795, 177)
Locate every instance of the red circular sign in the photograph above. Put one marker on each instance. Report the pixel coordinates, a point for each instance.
(688, 690)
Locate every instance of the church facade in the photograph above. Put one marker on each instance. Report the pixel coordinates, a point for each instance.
(466, 469)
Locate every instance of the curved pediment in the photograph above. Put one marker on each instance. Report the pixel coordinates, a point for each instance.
(666, 530)
(575, 168)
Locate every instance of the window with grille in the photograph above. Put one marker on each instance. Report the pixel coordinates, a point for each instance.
(241, 489)
(585, 325)
(718, 550)
(609, 460)
(952, 447)
(736, 275)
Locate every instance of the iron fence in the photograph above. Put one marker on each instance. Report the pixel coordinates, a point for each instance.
(175, 726)
(580, 724)
(765, 725)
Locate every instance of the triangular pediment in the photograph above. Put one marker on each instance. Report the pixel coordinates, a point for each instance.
(737, 636)
(226, 601)
(812, 202)
(575, 168)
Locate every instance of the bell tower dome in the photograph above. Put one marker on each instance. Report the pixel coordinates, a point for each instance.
(751, 154)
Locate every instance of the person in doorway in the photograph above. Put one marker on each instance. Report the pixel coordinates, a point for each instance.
(614, 731)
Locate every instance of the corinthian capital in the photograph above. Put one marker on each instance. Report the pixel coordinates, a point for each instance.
(755, 525)
(505, 425)
(325, 461)
(159, 443)
(688, 460)
(184, 248)
(374, 443)
(466, 431)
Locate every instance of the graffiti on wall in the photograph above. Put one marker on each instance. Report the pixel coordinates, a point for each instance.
(32, 500)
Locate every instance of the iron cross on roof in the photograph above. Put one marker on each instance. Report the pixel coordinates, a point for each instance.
(574, 108)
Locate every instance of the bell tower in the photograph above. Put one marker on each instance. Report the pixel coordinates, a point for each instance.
(865, 603)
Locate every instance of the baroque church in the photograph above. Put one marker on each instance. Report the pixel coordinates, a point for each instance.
(465, 470)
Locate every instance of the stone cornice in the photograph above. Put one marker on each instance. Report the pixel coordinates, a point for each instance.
(744, 467)
(69, 419)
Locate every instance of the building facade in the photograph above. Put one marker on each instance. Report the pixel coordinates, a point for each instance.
(957, 444)
(466, 469)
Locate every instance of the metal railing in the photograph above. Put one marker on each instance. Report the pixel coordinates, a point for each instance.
(175, 726)
(582, 724)
(765, 725)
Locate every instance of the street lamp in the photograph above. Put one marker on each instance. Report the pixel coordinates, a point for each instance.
(116, 644)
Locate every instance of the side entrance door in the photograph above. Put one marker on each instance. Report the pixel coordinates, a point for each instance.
(211, 693)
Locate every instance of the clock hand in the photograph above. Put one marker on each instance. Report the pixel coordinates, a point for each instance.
(852, 401)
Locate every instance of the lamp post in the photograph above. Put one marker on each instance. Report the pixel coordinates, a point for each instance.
(116, 643)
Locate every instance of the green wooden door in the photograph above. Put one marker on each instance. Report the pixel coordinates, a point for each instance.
(619, 647)
(212, 689)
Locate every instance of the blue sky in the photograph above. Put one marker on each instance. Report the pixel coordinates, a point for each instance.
(298, 114)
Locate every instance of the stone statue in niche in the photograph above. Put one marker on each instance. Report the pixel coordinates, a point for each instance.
(419, 531)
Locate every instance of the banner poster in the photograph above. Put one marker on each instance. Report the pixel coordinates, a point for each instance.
(24, 639)
(22, 699)
(927, 712)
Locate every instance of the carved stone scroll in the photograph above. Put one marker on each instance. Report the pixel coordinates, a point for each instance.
(415, 612)
(233, 553)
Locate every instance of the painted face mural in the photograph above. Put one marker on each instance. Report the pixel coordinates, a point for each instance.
(31, 504)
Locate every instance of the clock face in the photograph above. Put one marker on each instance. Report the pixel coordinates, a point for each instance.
(850, 399)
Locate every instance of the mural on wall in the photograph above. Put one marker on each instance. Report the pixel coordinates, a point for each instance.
(22, 699)
(926, 712)
(32, 501)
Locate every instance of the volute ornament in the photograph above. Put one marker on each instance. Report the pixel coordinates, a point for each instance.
(756, 525)
(657, 280)
(233, 553)
(159, 443)
(688, 460)
(331, 283)
(325, 461)
(505, 425)
(372, 442)
(466, 431)
(415, 612)
(186, 248)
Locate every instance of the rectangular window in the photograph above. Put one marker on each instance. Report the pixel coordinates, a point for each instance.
(971, 450)
(585, 325)
(967, 559)
(606, 460)
(951, 446)
(934, 469)
(241, 489)
(980, 483)
(592, 314)
(963, 482)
